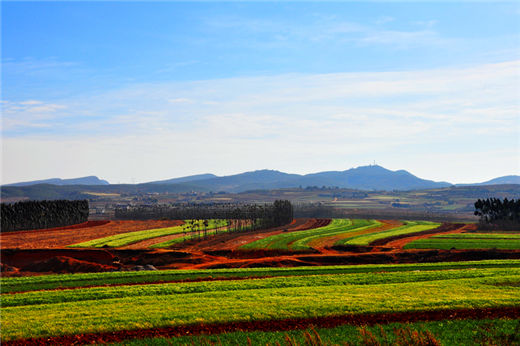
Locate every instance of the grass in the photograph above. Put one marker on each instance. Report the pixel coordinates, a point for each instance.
(446, 332)
(85, 310)
(468, 241)
(49, 282)
(299, 240)
(124, 239)
(112, 292)
(407, 228)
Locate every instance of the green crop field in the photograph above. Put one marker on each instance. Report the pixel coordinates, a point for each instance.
(446, 332)
(50, 282)
(134, 237)
(407, 228)
(506, 241)
(299, 240)
(368, 289)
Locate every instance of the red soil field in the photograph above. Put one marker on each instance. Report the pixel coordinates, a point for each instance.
(274, 325)
(56, 238)
(218, 251)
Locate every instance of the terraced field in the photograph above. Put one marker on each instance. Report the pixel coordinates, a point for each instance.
(507, 241)
(300, 240)
(358, 232)
(409, 227)
(261, 296)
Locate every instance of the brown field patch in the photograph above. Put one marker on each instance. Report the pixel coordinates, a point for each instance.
(61, 237)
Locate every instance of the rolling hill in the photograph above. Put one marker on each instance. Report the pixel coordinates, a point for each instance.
(368, 178)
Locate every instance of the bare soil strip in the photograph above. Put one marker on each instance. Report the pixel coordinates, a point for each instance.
(274, 325)
(76, 226)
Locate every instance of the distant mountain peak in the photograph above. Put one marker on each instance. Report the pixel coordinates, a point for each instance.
(89, 180)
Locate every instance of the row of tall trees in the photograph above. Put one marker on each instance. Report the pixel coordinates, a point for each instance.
(240, 217)
(43, 214)
(497, 213)
(269, 215)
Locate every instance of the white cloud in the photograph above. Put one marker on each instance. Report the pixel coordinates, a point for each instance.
(180, 100)
(297, 123)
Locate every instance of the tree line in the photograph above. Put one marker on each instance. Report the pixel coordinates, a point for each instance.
(43, 214)
(239, 216)
(497, 213)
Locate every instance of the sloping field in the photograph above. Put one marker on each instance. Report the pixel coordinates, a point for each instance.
(124, 239)
(312, 295)
(300, 240)
(329, 241)
(64, 236)
(233, 241)
(507, 241)
(409, 227)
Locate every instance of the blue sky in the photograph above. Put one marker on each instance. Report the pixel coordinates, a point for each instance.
(134, 92)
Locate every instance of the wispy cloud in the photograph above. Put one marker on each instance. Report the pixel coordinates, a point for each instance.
(276, 121)
(334, 30)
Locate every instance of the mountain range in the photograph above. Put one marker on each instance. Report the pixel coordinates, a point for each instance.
(90, 180)
(371, 177)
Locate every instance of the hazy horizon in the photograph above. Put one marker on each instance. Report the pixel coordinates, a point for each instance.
(136, 92)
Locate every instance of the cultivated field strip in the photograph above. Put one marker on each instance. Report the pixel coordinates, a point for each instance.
(112, 292)
(106, 309)
(324, 243)
(51, 282)
(300, 240)
(506, 241)
(408, 228)
(124, 239)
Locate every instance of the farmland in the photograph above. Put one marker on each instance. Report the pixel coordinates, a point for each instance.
(261, 283)
(408, 228)
(501, 331)
(468, 241)
(58, 238)
(313, 293)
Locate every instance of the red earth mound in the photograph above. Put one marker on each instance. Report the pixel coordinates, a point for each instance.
(24, 258)
(63, 264)
(62, 237)
(76, 226)
(274, 325)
